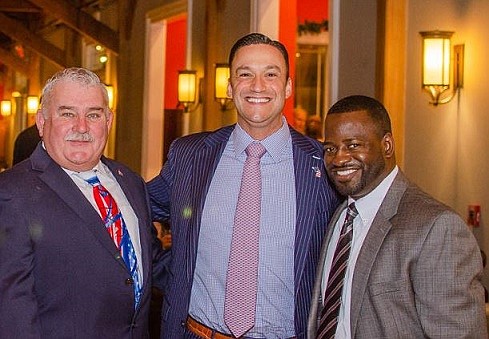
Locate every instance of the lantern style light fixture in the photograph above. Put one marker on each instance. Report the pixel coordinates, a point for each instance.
(437, 66)
(5, 108)
(187, 89)
(32, 104)
(221, 86)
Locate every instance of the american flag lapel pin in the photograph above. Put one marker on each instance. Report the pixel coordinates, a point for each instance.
(317, 171)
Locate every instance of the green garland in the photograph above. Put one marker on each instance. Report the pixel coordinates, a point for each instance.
(312, 27)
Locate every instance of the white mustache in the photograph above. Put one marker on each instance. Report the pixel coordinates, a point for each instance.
(75, 136)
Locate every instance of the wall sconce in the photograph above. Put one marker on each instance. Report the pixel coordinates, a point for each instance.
(436, 66)
(5, 108)
(110, 94)
(221, 86)
(32, 104)
(187, 90)
(103, 58)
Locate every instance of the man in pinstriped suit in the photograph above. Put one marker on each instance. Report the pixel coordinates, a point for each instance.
(198, 187)
(414, 267)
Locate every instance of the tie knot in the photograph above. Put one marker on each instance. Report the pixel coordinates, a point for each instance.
(93, 181)
(255, 150)
(90, 177)
(351, 212)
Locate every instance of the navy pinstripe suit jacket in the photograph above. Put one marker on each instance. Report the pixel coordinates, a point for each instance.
(184, 181)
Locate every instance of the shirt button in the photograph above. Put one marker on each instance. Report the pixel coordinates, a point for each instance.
(129, 281)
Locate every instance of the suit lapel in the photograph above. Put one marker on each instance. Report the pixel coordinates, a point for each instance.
(316, 294)
(379, 229)
(137, 202)
(308, 170)
(203, 166)
(62, 185)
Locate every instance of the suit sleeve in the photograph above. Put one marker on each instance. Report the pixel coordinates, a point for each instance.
(159, 189)
(18, 305)
(446, 281)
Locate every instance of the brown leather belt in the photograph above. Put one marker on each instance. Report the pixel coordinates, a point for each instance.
(206, 332)
(203, 331)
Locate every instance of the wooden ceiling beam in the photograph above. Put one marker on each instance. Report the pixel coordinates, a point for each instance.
(13, 62)
(80, 21)
(20, 33)
(21, 6)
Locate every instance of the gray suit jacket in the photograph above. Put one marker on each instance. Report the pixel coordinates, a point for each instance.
(417, 275)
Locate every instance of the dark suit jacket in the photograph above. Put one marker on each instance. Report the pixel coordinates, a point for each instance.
(60, 274)
(418, 272)
(184, 181)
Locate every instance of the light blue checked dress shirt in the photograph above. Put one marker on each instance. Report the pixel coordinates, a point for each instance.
(275, 300)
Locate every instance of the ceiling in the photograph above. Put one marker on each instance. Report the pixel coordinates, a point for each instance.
(24, 24)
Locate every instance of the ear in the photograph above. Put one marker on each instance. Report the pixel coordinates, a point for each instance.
(388, 145)
(288, 88)
(230, 90)
(110, 118)
(40, 120)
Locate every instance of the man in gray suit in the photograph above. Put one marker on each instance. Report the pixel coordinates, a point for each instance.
(413, 266)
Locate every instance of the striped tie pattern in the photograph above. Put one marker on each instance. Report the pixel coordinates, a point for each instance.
(334, 288)
(242, 275)
(115, 225)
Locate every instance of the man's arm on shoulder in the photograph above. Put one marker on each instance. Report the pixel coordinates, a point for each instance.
(447, 281)
(18, 305)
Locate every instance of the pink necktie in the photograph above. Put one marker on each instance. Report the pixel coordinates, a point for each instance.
(242, 275)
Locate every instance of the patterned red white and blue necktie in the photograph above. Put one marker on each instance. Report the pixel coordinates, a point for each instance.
(115, 225)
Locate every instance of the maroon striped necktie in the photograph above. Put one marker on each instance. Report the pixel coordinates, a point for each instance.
(334, 288)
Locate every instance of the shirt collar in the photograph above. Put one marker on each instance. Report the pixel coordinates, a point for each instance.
(274, 143)
(98, 168)
(368, 205)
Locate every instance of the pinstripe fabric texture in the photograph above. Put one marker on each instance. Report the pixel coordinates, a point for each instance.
(185, 179)
(275, 297)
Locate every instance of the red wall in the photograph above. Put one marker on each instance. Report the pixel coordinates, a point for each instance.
(312, 10)
(287, 35)
(293, 12)
(175, 58)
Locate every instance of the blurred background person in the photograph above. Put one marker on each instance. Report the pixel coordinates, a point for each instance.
(314, 127)
(300, 118)
(25, 144)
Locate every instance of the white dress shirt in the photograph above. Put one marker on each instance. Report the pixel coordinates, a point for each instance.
(108, 180)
